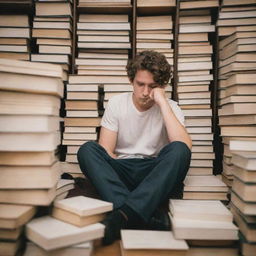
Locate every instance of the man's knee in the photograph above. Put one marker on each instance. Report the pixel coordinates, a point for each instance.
(180, 149)
(86, 149)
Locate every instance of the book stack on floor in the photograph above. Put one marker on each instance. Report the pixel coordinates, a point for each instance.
(76, 218)
(236, 15)
(14, 37)
(52, 29)
(29, 136)
(82, 103)
(237, 90)
(243, 200)
(63, 188)
(82, 117)
(206, 226)
(12, 220)
(194, 80)
(207, 187)
(153, 243)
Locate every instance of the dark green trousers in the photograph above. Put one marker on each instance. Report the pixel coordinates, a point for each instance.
(142, 184)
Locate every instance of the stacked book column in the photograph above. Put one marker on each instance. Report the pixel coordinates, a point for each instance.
(237, 104)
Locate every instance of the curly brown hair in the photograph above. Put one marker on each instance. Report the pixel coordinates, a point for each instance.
(152, 61)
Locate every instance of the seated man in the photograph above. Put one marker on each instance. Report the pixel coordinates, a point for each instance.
(143, 153)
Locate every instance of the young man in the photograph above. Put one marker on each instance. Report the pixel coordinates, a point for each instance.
(143, 153)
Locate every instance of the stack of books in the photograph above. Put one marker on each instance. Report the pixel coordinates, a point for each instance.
(237, 90)
(153, 243)
(52, 29)
(80, 210)
(12, 220)
(205, 225)
(82, 249)
(194, 79)
(155, 33)
(74, 223)
(63, 188)
(14, 37)
(208, 187)
(236, 15)
(82, 102)
(243, 201)
(82, 117)
(29, 136)
(103, 46)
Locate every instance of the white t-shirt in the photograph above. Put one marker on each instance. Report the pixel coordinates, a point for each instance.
(139, 134)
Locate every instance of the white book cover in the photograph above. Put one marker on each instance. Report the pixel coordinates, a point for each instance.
(50, 233)
(149, 239)
(84, 206)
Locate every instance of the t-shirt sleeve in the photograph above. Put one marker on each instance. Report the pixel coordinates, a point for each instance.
(109, 119)
(178, 112)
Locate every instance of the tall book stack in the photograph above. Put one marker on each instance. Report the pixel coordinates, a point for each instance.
(155, 33)
(52, 29)
(194, 79)
(237, 92)
(103, 45)
(74, 221)
(82, 103)
(29, 136)
(82, 117)
(243, 201)
(236, 15)
(206, 226)
(14, 37)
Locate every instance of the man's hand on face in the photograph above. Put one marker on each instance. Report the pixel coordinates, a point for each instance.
(158, 95)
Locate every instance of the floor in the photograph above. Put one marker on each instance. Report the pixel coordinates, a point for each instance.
(111, 250)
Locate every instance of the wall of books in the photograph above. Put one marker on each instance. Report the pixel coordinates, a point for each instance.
(60, 63)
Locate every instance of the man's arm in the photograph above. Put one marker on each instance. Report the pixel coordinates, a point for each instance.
(175, 130)
(108, 140)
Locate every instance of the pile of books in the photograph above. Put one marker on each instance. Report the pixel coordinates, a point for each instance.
(29, 136)
(194, 79)
(103, 45)
(207, 187)
(70, 230)
(155, 33)
(14, 37)
(52, 29)
(206, 226)
(237, 90)
(82, 103)
(243, 201)
(236, 15)
(153, 243)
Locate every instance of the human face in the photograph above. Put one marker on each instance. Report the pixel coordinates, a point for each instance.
(143, 84)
